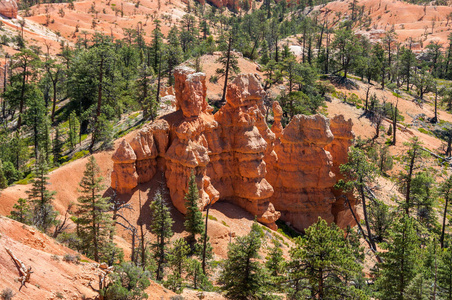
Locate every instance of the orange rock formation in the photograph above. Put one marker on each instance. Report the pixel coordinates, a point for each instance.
(287, 173)
(8, 8)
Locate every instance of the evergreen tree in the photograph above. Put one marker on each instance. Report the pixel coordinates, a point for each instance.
(229, 64)
(57, 146)
(44, 215)
(74, 125)
(275, 264)
(177, 262)
(445, 274)
(3, 179)
(323, 265)
(21, 211)
(173, 54)
(358, 172)
(128, 282)
(93, 220)
(161, 227)
(243, 277)
(193, 217)
(400, 260)
(445, 190)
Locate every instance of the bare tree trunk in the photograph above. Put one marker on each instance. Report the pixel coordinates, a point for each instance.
(226, 74)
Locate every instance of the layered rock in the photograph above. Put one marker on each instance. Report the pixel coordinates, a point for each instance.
(302, 176)
(287, 173)
(239, 147)
(8, 8)
(124, 177)
(343, 139)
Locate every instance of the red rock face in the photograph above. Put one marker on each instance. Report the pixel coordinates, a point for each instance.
(343, 136)
(302, 176)
(287, 173)
(239, 148)
(8, 8)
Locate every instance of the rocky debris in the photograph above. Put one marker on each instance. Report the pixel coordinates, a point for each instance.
(8, 8)
(285, 173)
(124, 177)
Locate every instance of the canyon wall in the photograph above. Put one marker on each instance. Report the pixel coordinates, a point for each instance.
(8, 8)
(286, 173)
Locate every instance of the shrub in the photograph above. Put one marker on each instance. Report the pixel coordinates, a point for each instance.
(7, 294)
(71, 258)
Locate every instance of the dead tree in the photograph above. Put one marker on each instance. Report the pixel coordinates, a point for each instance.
(105, 270)
(24, 273)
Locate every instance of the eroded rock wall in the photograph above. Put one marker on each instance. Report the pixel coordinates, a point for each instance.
(8, 8)
(284, 172)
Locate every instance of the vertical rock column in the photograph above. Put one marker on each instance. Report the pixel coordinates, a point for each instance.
(124, 177)
(188, 150)
(343, 139)
(238, 148)
(302, 176)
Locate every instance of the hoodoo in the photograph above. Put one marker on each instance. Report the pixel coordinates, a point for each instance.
(280, 173)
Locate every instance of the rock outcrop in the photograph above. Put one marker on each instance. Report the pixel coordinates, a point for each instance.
(235, 157)
(343, 136)
(238, 148)
(8, 8)
(302, 176)
(124, 177)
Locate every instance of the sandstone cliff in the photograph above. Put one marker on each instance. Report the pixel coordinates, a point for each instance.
(8, 8)
(287, 173)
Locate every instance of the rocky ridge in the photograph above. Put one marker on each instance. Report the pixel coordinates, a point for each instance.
(286, 173)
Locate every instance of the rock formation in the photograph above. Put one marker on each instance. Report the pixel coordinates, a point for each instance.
(124, 177)
(8, 8)
(343, 136)
(239, 147)
(235, 157)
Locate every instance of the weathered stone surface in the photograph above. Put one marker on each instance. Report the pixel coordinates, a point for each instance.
(302, 176)
(343, 139)
(8, 8)
(287, 173)
(277, 127)
(190, 89)
(124, 177)
(238, 148)
(145, 150)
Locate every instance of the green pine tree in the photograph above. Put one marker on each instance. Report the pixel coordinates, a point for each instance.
(445, 274)
(275, 264)
(21, 211)
(194, 223)
(177, 263)
(243, 276)
(94, 221)
(400, 260)
(161, 227)
(44, 215)
(323, 265)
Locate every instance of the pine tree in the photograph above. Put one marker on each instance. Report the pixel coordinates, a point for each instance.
(21, 211)
(94, 221)
(74, 125)
(3, 179)
(445, 274)
(44, 215)
(275, 264)
(127, 282)
(243, 276)
(177, 262)
(161, 227)
(445, 190)
(193, 217)
(399, 260)
(322, 265)
(229, 64)
(57, 146)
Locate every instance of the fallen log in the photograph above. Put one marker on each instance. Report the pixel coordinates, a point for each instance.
(24, 272)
